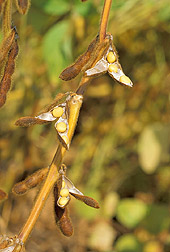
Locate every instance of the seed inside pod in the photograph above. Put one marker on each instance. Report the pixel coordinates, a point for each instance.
(64, 192)
(125, 79)
(57, 112)
(61, 127)
(113, 68)
(63, 201)
(111, 57)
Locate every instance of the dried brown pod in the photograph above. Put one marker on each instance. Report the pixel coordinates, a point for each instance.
(6, 45)
(29, 121)
(109, 62)
(3, 195)
(22, 6)
(5, 83)
(30, 182)
(63, 221)
(44, 117)
(87, 200)
(95, 51)
(72, 71)
(61, 216)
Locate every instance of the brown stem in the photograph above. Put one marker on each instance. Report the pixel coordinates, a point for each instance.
(104, 19)
(58, 157)
(102, 33)
(82, 85)
(75, 105)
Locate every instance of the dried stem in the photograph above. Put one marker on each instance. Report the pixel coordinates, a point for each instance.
(104, 19)
(53, 174)
(102, 33)
(58, 157)
(83, 85)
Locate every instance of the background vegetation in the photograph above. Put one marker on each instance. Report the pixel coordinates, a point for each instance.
(120, 152)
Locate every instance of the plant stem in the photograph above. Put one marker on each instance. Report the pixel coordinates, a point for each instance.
(104, 19)
(83, 85)
(102, 33)
(53, 174)
(74, 107)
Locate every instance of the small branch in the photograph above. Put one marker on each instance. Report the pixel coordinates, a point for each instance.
(74, 109)
(82, 85)
(42, 197)
(60, 152)
(102, 33)
(104, 19)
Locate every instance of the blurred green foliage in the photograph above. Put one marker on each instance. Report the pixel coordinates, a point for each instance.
(120, 152)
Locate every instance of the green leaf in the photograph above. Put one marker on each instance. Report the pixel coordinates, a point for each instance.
(153, 147)
(164, 13)
(157, 219)
(53, 7)
(131, 212)
(57, 49)
(128, 243)
(83, 9)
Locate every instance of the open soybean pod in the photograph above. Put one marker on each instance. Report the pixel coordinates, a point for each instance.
(110, 63)
(98, 52)
(74, 104)
(63, 193)
(22, 6)
(71, 187)
(61, 214)
(44, 117)
(95, 51)
(66, 124)
(30, 182)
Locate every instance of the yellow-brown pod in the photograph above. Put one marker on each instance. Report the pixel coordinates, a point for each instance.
(20, 188)
(36, 178)
(73, 70)
(63, 221)
(61, 215)
(30, 182)
(98, 52)
(28, 121)
(87, 200)
(60, 98)
(22, 6)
